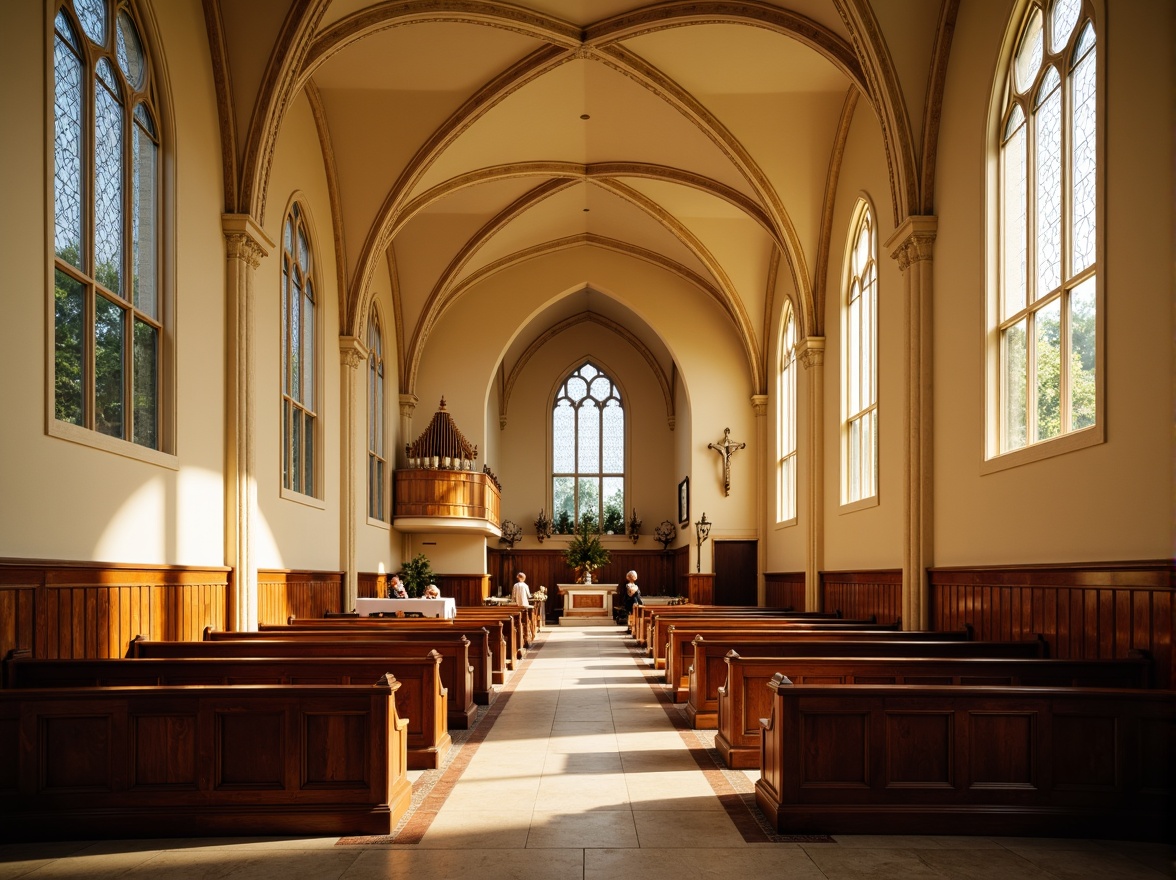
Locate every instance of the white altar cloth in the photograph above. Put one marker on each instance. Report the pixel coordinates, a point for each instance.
(443, 607)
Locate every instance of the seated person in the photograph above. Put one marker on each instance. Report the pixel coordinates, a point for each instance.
(431, 592)
(396, 589)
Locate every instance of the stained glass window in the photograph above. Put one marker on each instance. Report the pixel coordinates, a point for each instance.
(786, 408)
(299, 419)
(377, 464)
(588, 453)
(1046, 318)
(859, 392)
(109, 341)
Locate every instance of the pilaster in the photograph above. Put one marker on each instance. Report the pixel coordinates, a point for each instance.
(759, 405)
(352, 496)
(811, 355)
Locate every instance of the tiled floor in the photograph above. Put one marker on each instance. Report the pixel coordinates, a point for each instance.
(581, 771)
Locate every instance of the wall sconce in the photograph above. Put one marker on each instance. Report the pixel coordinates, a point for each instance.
(702, 529)
(542, 526)
(665, 533)
(512, 533)
(634, 527)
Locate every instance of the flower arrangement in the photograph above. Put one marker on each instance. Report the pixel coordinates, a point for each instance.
(585, 553)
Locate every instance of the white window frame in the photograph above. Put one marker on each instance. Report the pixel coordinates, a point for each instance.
(859, 364)
(786, 464)
(378, 507)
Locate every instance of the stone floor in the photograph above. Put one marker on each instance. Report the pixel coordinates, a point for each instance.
(583, 771)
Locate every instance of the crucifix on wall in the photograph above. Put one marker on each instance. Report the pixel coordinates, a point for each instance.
(726, 449)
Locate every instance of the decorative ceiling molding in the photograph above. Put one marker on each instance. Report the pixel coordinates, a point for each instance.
(397, 310)
(222, 79)
(813, 314)
(608, 324)
(347, 325)
(770, 306)
(684, 13)
(933, 106)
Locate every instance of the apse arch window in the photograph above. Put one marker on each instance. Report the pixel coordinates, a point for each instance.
(859, 361)
(588, 452)
(377, 463)
(300, 359)
(1044, 372)
(110, 335)
(786, 422)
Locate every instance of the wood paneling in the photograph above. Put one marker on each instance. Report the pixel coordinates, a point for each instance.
(466, 589)
(699, 588)
(372, 585)
(283, 594)
(784, 589)
(736, 564)
(67, 609)
(546, 567)
(460, 494)
(1083, 611)
(862, 594)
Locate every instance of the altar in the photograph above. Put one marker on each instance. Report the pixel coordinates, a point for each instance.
(587, 604)
(443, 607)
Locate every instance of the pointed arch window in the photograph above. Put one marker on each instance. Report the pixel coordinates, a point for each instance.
(377, 464)
(588, 452)
(1044, 362)
(859, 424)
(786, 409)
(300, 423)
(110, 340)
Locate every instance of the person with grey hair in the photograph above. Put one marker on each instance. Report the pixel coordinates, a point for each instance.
(628, 595)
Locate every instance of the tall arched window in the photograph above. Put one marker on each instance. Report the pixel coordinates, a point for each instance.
(299, 357)
(377, 464)
(588, 453)
(1044, 319)
(108, 309)
(786, 441)
(859, 397)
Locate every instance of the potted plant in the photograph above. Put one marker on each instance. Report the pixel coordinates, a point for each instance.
(585, 553)
(416, 575)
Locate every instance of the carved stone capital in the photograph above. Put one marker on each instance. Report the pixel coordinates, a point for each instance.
(408, 403)
(352, 351)
(811, 352)
(245, 240)
(913, 241)
(759, 405)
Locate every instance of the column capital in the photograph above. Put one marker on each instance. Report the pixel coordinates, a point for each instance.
(408, 403)
(245, 239)
(759, 405)
(913, 241)
(810, 351)
(352, 351)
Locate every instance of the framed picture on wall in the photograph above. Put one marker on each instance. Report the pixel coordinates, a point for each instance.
(684, 501)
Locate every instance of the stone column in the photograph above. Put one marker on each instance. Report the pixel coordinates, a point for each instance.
(759, 405)
(352, 495)
(912, 245)
(408, 404)
(811, 355)
(246, 245)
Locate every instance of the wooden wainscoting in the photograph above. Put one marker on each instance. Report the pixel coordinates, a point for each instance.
(784, 589)
(61, 609)
(860, 594)
(372, 585)
(466, 589)
(282, 594)
(657, 570)
(1084, 611)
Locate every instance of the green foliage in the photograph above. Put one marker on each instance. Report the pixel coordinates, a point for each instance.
(416, 575)
(563, 523)
(585, 553)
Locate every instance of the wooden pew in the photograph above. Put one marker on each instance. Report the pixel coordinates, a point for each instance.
(708, 668)
(669, 613)
(678, 650)
(514, 631)
(421, 698)
(196, 761)
(483, 640)
(745, 698)
(883, 759)
(456, 672)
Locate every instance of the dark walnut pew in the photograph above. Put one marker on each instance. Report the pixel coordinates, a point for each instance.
(708, 668)
(643, 614)
(883, 759)
(745, 698)
(456, 673)
(200, 761)
(679, 651)
(661, 618)
(485, 642)
(421, 698)
(514, 627)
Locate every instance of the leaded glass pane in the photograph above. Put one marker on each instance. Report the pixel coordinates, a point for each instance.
(577, 389)
(1048, 351)
(1048, 164)
(296, 449)
(129, 50)
(294, 386)
(287, 439)
(308, 456)
(1083, 343)
(303, 252)
(1013, 220)
(787, 509)
(1016, 118)
(868, 458)
(1064, 17)
(69, 373)
(108, 185)
(109, 360)
(588, 439)
(1014, 363)
(600, 388)
(288, 237)
(613, 438)
(563, 507)
(589, 372)
(67, 151)
(614, 505)
(1029, 54)
(868, 336)
(308, 354)
(1085, 41)
(853, 356)
(146, 396)
(563, 438)
(144, 218)
(285, 322)
(1083, 166)
(588, 498)
(92, 15)
(855, 459)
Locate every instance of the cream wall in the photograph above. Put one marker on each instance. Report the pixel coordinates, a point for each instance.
(869, 537)
(1114, 500)
(295, 533)
(76, 501)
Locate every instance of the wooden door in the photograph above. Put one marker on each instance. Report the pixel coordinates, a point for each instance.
(736, 581)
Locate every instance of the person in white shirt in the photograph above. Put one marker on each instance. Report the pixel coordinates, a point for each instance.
(396, 589)
(520, 593)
